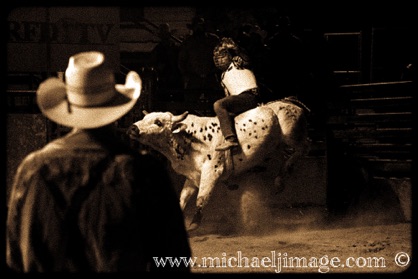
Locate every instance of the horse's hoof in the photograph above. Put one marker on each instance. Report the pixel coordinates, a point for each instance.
(197, 219)
(193, 226)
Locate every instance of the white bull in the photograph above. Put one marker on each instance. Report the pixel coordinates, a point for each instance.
(271, 136)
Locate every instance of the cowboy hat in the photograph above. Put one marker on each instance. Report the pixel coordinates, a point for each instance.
(89, 97)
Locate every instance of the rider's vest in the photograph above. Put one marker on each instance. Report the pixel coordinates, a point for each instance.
(237, 80)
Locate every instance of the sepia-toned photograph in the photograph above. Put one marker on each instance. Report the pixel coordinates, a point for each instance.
(213, 140)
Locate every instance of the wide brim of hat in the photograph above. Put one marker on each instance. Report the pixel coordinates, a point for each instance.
(52, 101)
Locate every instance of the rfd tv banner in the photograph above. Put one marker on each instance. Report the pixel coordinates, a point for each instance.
(42, 39)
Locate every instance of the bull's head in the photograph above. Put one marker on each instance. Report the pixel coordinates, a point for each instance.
(156, 127)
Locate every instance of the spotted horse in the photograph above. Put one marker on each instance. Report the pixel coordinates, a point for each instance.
(272, 137)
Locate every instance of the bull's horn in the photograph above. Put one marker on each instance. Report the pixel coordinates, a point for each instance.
(181, 117)
(145, 112)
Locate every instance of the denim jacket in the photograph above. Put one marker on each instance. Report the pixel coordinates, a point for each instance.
(86, 202)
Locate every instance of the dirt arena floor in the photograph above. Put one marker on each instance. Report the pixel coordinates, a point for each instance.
(290, 247)
(240, 237)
